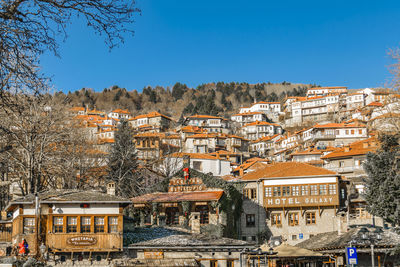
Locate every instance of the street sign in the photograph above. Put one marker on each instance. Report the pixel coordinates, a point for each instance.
(300, 236)
(351, 255)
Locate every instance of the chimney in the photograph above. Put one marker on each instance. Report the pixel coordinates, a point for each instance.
(346, 149)
(111, 188)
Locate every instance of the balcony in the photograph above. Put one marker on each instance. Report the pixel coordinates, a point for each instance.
(345, 169)
(323, 136)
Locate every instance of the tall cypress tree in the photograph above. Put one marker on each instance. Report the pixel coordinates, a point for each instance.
(122, 162)
(383, 182)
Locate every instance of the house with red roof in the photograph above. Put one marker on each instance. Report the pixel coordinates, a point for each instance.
(258, 129)
(151, 122)
(292, 200)
(213, 124)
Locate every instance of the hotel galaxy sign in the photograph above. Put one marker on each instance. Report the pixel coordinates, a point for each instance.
(274, 202)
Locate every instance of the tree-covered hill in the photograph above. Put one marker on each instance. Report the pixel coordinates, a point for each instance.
(218, 98)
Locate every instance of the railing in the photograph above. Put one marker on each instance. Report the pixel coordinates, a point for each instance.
(324, 136)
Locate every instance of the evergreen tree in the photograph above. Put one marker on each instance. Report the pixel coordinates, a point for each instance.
(122, 162)
(383, 182)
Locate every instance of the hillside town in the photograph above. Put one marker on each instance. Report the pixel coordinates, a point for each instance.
(276, 184)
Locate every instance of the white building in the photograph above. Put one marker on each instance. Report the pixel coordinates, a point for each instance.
(200, 162)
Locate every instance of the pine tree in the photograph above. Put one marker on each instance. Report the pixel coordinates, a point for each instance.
(122, 163)
(383, 182)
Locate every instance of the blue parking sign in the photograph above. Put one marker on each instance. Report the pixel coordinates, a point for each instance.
(351, 255)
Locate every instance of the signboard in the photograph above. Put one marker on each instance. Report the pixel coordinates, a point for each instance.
(351, 255)
(301, 236)
(82, 241)
(153, 254)
(300, 201)
(186, 185)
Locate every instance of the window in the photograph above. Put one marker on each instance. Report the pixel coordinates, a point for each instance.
(244, 238)
(99, 224)
(359, 131)
(352, 132)
(58, 224)
(293, 218)
(113, 224)
(294, 237)
(250, 220)
(277, 191)
(276, 219)
(197, 165)
(323, 189)
(285, 191)
(230, 263)
(347, 132)
(314, 190)
(85, 224)
(268, 192)
(253, 238)
(213, 263)
(304, 190)
(72, 223)
(332, 189)
(250, 193)
(310, 218)
(295, 190)
(29, 225)
(341, 164)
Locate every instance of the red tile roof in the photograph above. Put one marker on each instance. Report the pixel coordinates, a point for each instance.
(286, 169)
(354, 149)
(178, 197)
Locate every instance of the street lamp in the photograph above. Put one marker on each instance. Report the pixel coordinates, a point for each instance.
(372, 237)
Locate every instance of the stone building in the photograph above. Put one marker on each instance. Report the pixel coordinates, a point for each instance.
(291, 199)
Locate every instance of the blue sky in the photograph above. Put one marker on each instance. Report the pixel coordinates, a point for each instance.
(323, 42)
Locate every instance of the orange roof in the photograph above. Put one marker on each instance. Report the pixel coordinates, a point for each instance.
(375, 104)
(192, 155)
(122, 111)
(357, 148)
(179, 196)
(193, 129)
(307, 152)
(337, 125)
(151, 115)
(205, 117)
(286, 169)
(260, 123)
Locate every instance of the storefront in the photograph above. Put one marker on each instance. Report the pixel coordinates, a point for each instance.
(188, 202)
(69, 221)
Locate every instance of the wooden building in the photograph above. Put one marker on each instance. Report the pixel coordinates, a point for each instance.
(187, 202)
(69, 221)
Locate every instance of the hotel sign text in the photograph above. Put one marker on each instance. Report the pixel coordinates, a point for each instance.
(273, 202)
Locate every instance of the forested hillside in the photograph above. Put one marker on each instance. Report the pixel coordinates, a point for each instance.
(219, 98)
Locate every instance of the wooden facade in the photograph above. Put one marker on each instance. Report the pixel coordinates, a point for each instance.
(70, 226)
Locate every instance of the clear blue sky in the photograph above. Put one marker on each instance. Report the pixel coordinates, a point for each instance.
(324, 42)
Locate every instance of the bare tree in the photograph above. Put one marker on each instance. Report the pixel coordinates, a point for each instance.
(395, 68)
(44, 144)
(28, 28)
